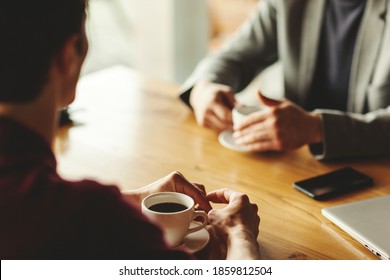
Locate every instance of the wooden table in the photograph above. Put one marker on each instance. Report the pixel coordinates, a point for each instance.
(131, 130)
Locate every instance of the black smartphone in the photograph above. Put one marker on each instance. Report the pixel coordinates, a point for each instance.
(336, 182)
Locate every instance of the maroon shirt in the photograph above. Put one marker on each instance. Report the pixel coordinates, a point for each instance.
(43, 216)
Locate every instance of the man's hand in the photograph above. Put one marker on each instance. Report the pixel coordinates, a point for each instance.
(237, 223)
(213, 104)
(281, 126)
(174, 182)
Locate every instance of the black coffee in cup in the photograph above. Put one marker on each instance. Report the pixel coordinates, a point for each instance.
(168, 207)
(174, 213)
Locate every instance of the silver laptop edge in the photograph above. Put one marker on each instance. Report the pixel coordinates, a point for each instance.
(375, 251)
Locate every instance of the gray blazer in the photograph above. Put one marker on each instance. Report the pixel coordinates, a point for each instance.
(289, 31)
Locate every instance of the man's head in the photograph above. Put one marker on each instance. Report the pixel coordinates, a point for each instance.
(34, 36)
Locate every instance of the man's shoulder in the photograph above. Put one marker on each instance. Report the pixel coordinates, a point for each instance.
(89, 187)
(88, 194)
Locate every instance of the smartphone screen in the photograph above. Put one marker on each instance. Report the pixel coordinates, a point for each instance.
(333, 183)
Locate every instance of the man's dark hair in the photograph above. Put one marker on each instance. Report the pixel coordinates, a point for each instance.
(32, 32)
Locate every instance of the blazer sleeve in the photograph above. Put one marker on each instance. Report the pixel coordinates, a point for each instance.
(252, 48)
(353, 135)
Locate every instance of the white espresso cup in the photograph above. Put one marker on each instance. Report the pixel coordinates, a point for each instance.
(173, 212)
(242, 111)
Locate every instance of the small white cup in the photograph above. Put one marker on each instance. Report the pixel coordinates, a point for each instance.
(242, 111)
(175, 225)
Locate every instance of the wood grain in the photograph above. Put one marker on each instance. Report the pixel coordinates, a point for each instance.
(131, 130)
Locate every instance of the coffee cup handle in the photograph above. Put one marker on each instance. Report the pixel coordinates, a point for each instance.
(202, 225)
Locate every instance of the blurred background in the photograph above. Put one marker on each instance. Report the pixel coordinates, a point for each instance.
(162, 38)
(165, 39)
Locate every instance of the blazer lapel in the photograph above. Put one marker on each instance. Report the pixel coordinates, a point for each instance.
(312, 25)
(366, 53)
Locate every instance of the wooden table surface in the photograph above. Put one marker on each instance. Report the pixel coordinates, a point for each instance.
(131, 130)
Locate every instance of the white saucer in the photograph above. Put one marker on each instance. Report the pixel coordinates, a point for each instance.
(196, 241)
(226, 139)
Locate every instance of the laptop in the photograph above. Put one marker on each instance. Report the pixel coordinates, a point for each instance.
(367, 221)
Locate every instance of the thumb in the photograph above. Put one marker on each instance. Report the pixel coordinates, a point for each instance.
(268, 101)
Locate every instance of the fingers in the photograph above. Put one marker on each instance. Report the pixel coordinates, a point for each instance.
(227, 98)
(220, 112)
(256, 219)
(254, 118)
(256, 140)
(239, 213)
(200, 197)
(220, 196)
(196, 191)
(226, 196)
(223, 112)
(212, 105)
(203, 190)
(265, 130)
(201, 187)
(202, 202)
(213, 122)
(258, 137)
(255, 132)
